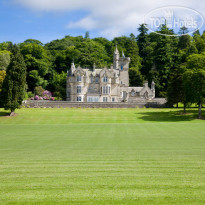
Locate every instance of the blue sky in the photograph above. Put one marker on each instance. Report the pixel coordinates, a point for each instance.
(47, 20)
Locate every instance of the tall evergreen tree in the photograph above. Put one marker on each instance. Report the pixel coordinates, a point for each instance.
(15, 82)
(146, 49)
(132, 51)
(175, 91)
(87, 34)
(142, 38)
(164, 58)
(184, 39)
(136, 78)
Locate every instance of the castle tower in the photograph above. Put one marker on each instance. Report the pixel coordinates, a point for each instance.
(116, 59)
(124, 70)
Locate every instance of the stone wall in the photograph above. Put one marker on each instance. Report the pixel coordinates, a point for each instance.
(156, 103)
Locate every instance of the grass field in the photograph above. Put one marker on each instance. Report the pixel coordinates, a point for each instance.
(102, 156)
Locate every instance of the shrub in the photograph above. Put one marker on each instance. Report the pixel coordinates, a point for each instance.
(39, 91)
(45, 98)
(30, 94)
(47, 93)
(36, 97)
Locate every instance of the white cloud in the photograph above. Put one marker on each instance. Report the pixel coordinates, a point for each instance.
(86, 23)
(109, 17)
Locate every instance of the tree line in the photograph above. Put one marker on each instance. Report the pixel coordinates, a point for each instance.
(175, 63)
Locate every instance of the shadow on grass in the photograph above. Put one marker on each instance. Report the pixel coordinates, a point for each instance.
(170, 116)
(4, 114)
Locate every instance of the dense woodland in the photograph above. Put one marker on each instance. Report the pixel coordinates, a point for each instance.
(175, 63)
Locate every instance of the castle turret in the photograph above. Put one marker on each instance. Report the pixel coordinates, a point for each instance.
(94, 66)
(146, 83)
(116, 59)
(72, 68)
(153, 87)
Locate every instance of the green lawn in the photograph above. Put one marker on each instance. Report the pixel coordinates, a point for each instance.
(102, 156)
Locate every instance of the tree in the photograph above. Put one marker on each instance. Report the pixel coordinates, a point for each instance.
(136, 78)
(35, 80)
(39, 91)
(87, 34)
(175, 90)
(33, 41)
(200, 42)
(15, 81)
(91, 52)
(196, 61)
(184, 40)
(146, 50)
(132, 51)
(71, 54)
(142, 38)
(38, 63)
(58, 85)
(6, 46)
(194, 83)
(4, 59)
(186, 46)
(108, 45)
(165, 53)
(194, 80)
(2, 77)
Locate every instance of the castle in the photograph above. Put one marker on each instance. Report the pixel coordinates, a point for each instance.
(106, 85)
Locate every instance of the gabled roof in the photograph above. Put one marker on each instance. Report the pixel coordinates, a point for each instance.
(79, 70)
(105, 72)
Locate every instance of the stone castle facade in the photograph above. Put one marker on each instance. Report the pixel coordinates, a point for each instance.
(106, 85)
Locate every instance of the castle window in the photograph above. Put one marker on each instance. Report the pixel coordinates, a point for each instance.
(79, 79)
(91, 79)
(93, 99)
(106, 89)
(113, 99)
(105, 99)
(105, 79)
(97, 80)
(121, 67)
(79, 99)
(79, 89)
